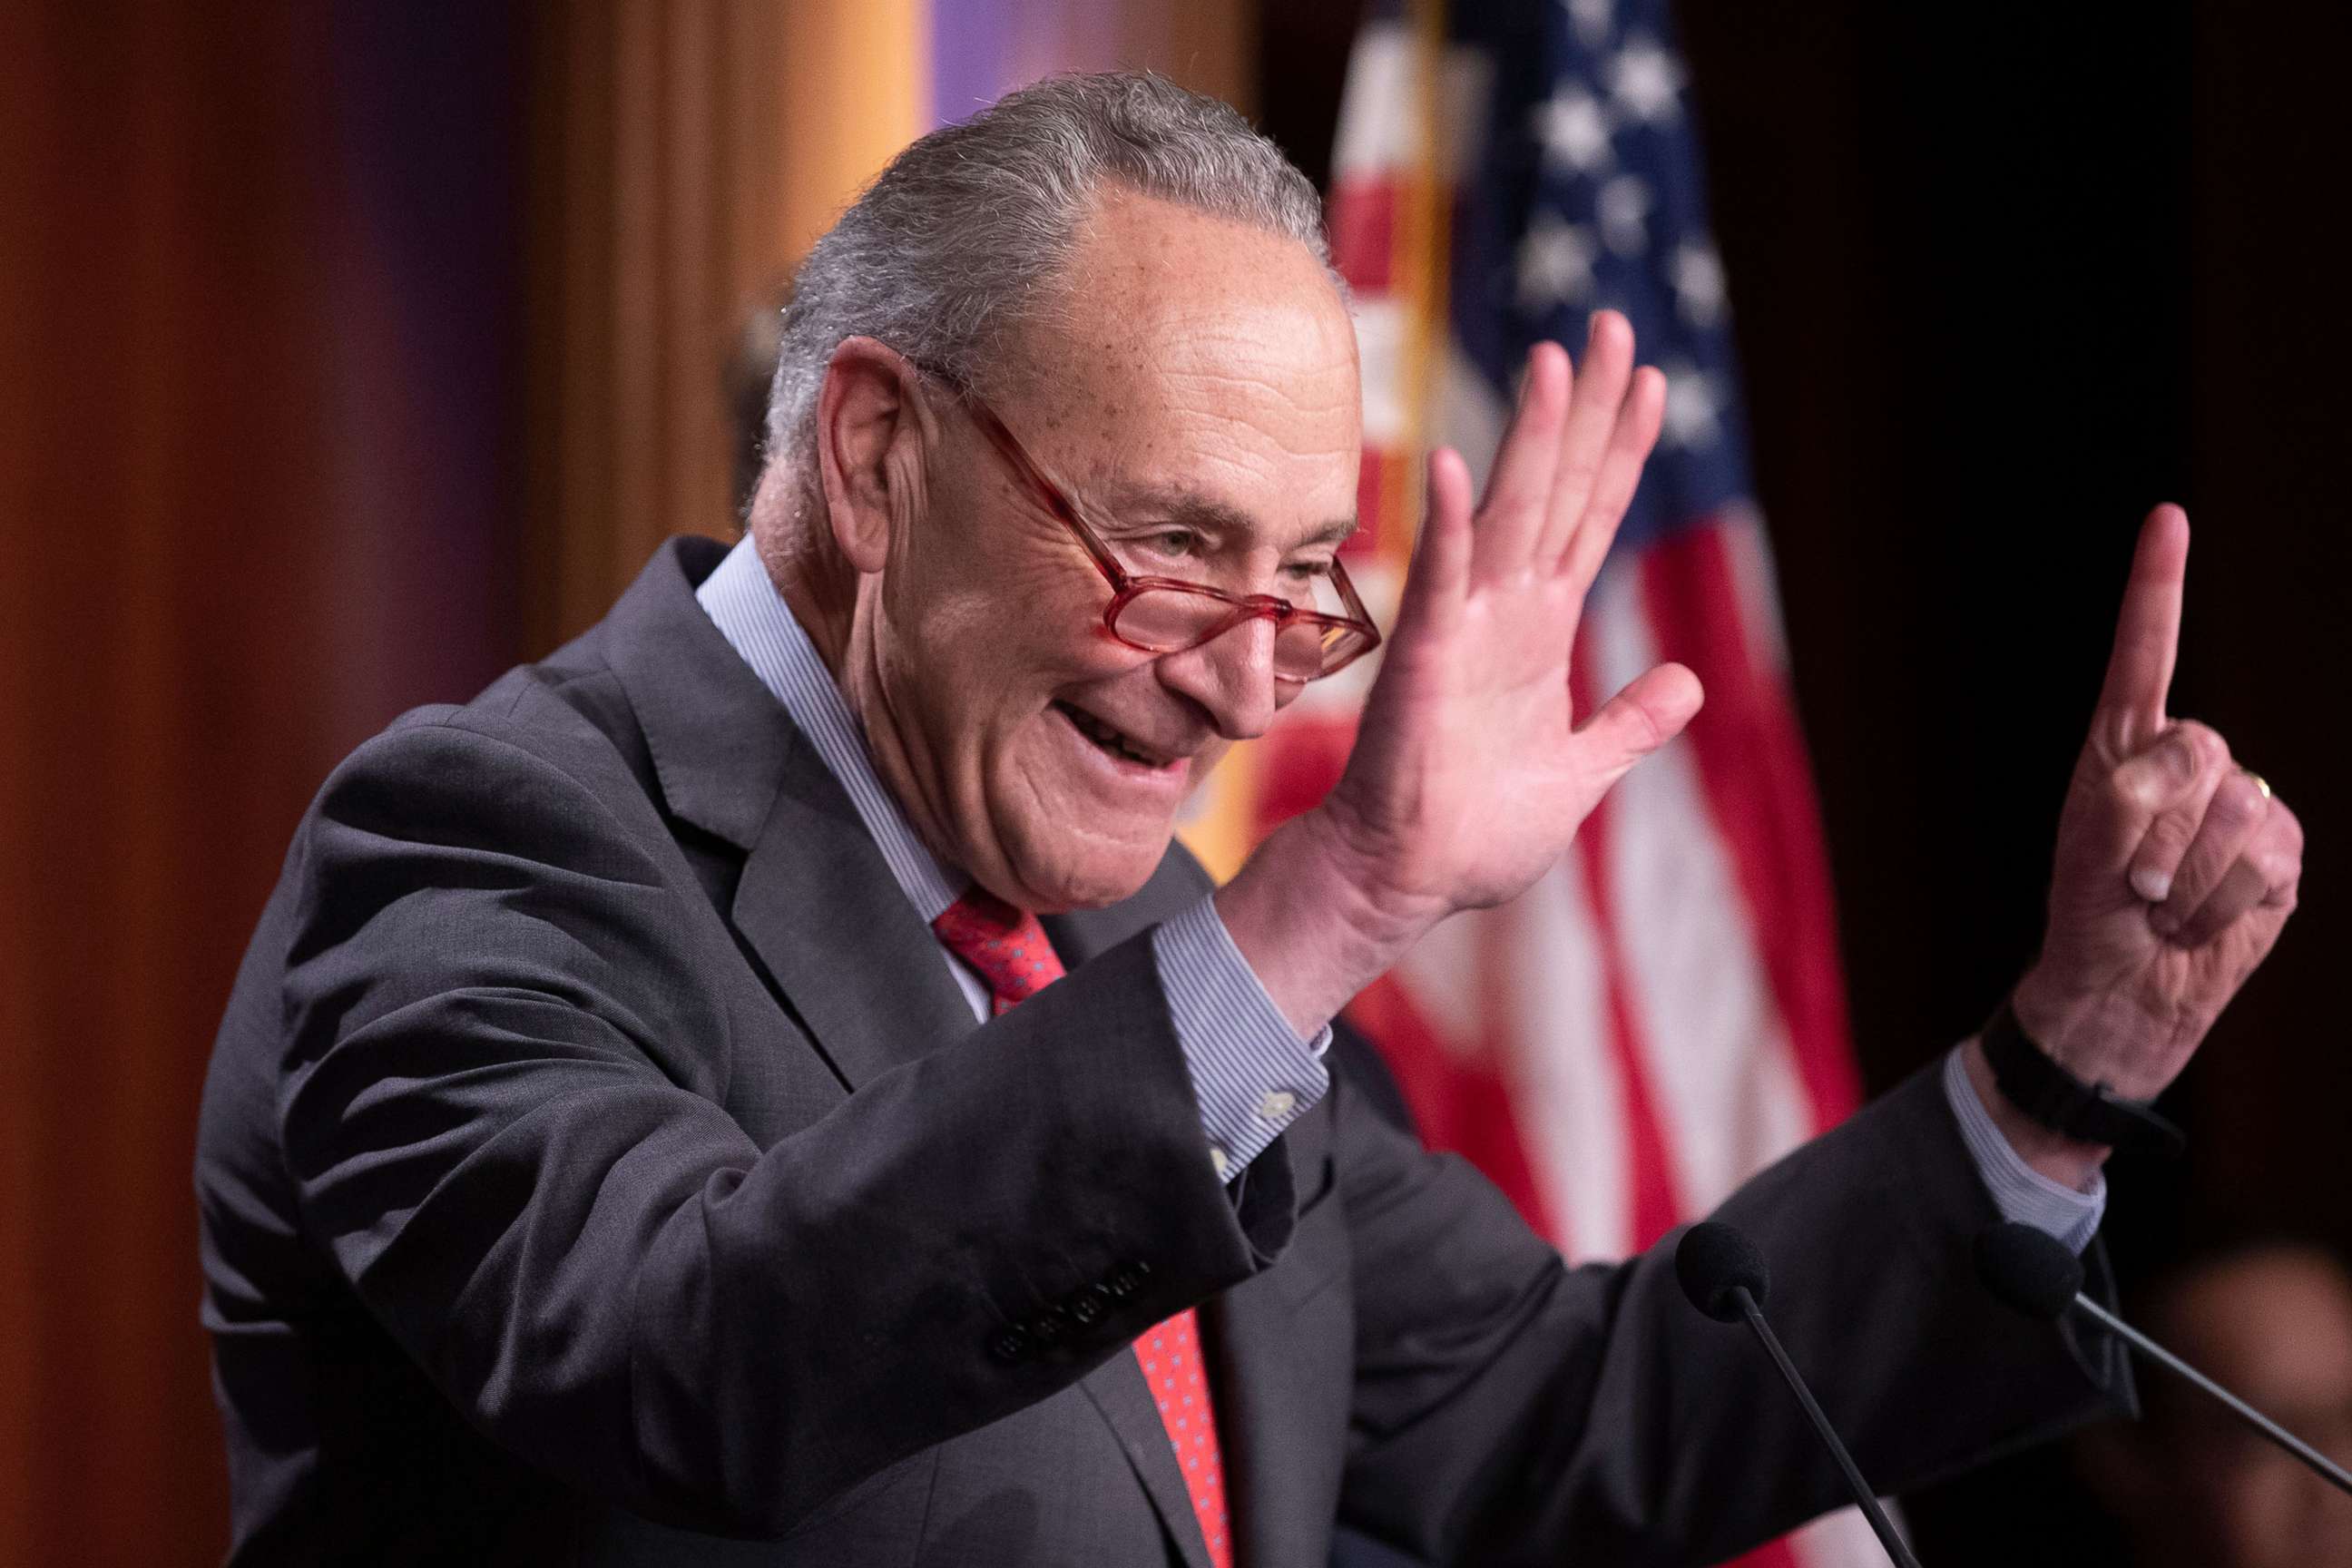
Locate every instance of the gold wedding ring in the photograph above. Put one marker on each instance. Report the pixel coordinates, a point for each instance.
(2261, 783)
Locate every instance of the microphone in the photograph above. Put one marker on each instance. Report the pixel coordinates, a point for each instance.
(2032, 1272)
(1724, 1275)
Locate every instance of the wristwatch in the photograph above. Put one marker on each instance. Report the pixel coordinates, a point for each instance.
(2052, 1097)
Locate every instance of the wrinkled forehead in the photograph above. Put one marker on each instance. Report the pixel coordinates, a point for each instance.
(1190, 351)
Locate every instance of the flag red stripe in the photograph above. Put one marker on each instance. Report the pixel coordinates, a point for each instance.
(1460, 1101)
(1363, 215)
(1772, 1554)
(1760, 791)
(1298, 762)
(1753, 827)
(1380, 485)
(1652, 1210)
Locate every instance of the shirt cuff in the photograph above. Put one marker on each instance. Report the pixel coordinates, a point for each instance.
(1252, 1075)
(2022, 1195)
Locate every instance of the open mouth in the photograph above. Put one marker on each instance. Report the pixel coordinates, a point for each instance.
(1110, 738)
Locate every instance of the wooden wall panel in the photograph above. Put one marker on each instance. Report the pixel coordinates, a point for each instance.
(255, 480)
(328, 390)
(163, 336)
(684, 157)
(266, 449)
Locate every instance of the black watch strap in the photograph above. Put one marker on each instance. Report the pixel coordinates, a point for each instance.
(2053, 1098)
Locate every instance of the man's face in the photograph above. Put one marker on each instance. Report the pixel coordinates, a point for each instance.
(2275, 1327)
(2190, 1485)
(1199, 399)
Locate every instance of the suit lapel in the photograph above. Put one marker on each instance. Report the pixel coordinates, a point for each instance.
(815, 900)
(818, 904)
(1121, 1393)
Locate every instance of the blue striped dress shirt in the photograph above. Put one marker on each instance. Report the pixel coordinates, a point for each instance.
(2022, 1192)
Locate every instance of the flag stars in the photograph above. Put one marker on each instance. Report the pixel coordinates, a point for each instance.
(1592, 19)
(1646, 82)
(1556, 259)
(1693, 414)
(1574, 130)
(1625, 212)
(1697, 274)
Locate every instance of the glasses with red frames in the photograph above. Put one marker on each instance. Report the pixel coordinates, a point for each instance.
(1169, 615)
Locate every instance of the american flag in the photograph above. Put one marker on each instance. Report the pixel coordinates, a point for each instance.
(1663, 1014)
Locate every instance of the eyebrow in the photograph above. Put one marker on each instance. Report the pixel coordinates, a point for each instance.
(1178, 504)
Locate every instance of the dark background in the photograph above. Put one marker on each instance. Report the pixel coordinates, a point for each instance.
(2002, 279)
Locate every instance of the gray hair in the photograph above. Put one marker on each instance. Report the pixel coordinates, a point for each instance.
(966, 234)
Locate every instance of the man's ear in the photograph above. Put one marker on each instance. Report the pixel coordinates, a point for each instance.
(869, 447)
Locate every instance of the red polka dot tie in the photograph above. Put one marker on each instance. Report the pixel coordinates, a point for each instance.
(1005, 945)
(1009, 950)
(1170, 1355)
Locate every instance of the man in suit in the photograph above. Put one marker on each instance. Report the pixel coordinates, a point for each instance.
(653, 1123)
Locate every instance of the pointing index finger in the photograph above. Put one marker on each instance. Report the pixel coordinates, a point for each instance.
(2147, 630)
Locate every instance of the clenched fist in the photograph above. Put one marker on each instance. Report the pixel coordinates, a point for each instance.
(2176, 867)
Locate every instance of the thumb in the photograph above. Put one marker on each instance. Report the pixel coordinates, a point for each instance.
(1652, 709)
(1440, 572)
(2119, 810)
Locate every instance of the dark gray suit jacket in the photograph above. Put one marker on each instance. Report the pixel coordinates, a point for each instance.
(597, 1159)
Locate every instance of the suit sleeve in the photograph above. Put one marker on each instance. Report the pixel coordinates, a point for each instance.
(494, 1106)
(1509, 1409)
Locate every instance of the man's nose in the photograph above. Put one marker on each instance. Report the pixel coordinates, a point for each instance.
(1231, 676)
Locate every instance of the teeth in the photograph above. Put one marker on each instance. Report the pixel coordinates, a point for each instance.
(1110, 739)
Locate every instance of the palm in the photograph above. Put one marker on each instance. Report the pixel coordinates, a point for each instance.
(1470, 776)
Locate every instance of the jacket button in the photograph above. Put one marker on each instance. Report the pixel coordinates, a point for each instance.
(1010, 1345)
(1125, 1282)
(1089, 1305)
(1049, 1325)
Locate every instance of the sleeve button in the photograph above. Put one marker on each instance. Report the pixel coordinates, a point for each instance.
(1011, 1345)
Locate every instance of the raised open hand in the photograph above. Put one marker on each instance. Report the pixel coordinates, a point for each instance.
(1469, 777)
(2176, 868)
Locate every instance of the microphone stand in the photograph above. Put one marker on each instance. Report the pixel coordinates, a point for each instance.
(1896, 1547)
(2328, 1471)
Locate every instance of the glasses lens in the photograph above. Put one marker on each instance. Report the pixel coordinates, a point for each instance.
(1298, 650)
(1165, 620)
(1338, 646)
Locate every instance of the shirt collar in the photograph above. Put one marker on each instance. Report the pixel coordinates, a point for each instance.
(741, 601)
